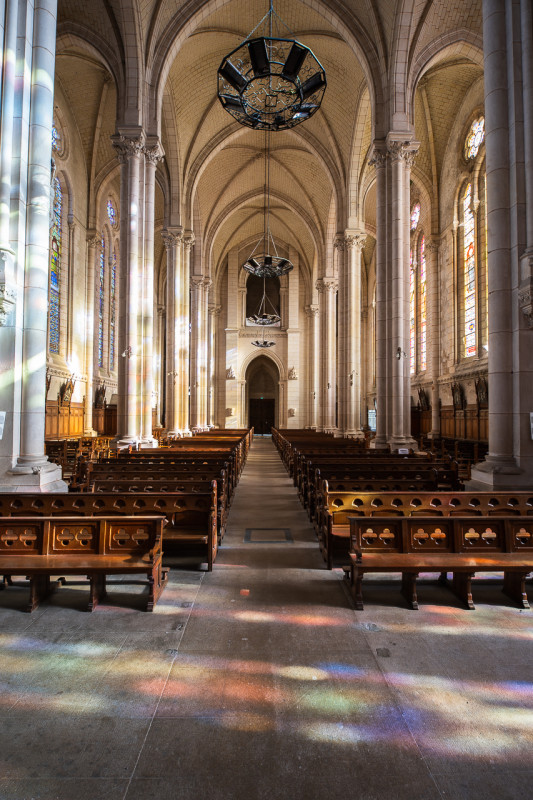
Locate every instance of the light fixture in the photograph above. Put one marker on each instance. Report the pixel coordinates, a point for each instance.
(270, 82)
(263, 343)
(263, 317)
(263, 262)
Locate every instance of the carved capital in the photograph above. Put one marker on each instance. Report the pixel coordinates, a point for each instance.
(402, 150)
(353, 239)
(171, 237)
(188, 240)
(197, 281)
(525, 300)
(330, 284)
(154, 154)
(127, 146)
(93, 240)
(215, 310)
(338, 242)
(312, 311)
(378, 156)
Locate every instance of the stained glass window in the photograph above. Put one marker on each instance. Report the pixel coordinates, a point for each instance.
(469, 256)
(415, 216)
(111, 213)
(56, 139)
(475, 138)
(101, 291)
(55, 270)
(422, 287)
(412, 316)
(112, 311)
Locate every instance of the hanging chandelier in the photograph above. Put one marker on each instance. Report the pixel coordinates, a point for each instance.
(263, 317)
(269, 82)
(263, 343)
(263, 261)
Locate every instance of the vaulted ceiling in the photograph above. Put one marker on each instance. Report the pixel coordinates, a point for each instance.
(213, 176)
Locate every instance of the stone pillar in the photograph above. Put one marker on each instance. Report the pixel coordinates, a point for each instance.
(313, 340)
(199, 332)
(293, 342)
(172, 238)
(233, 322)
(380, 441)
(510, 459)
(130, 148)
(214, 313)
(185, 318)
(401, 155)
(327, 288)
(393, 160)
(92, 243)
(33, 469)
(153, 154)
(161, 361)
(354, 242)
(433, 331)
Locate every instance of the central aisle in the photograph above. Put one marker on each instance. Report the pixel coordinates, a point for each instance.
(275, 693)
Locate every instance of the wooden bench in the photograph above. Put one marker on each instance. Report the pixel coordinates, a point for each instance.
(192, 516)
(463, 546)
(333, 527)
(40, 547)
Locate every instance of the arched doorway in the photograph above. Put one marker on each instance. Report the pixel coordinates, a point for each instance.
(262, 382)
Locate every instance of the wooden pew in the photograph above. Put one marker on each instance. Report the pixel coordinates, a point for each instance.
(191, 515)
(334, 526)
(40, 547)
(463, 546)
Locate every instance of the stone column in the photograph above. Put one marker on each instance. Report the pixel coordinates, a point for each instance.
(199, 320)
(433, 331)
(313, 340)
(510, 458)
(401, 154)
(380, 441)
(32, 461)
(354, 242)
(161, 361)
(214, 313)
(130, 147)
(93, 242)
(185, 315)
(327, 288)
(172, 238)
(153, 155)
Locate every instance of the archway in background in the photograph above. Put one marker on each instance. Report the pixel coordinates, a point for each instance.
(262, 394)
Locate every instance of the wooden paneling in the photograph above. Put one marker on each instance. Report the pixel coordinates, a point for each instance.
(64, 422)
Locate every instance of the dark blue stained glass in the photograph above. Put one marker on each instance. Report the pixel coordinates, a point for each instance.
(55, 271)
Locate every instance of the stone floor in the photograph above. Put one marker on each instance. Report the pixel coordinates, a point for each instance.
(259, 681)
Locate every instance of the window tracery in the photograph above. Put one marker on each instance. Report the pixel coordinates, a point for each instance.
(415, 216)
(469, 267)
(475, 138)
(55, 269)
(101, 298)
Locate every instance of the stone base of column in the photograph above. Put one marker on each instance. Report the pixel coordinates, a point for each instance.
(332, 431)
(123, 442)
(148, 443)
(403, 442)
(378, 443)
(90, 433)
(433, 435)
(496, 474)
(45, 478)
(354, 434)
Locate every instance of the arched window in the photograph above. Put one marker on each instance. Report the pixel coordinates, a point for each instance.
(475, 138)
(112, 310)
(422, 291)
(54, 293)
(471, 273)
(101, 300)
(417, 297)
(111, 213)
